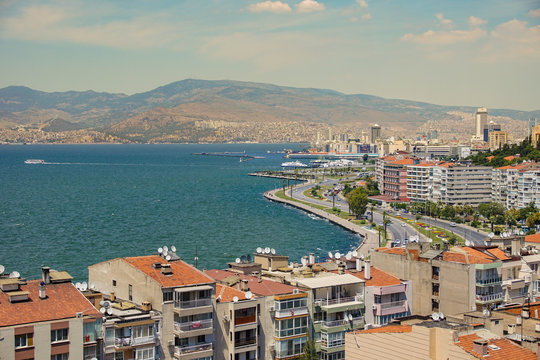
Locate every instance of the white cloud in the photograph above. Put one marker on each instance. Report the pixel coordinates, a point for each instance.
(270, 6)
(362, 4)
(366, 16)
(353, 11)
(306, 6)
(476, 21)
(445, 37)
(446, 23)
(534, 13)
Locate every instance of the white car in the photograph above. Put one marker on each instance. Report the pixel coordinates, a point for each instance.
(403, 225)
(453, 224)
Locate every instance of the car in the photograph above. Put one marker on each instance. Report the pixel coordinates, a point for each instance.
(403, 225)
(453, 224)
(398, 214)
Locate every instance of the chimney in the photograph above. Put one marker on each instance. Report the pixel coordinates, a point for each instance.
(259, 277)
(311, 258)
(367, 274)
(42, 293)
(480, 347)
(45, 275)
(341, 268)
(244, 285)
(113, 296)
(359, 264)
(146, 306)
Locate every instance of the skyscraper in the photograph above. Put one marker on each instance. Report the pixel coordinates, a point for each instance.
(375, 133)
(481, 121)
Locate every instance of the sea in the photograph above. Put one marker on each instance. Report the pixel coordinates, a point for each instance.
(91, 203)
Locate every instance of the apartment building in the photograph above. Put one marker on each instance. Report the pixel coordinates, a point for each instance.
(497, 139)
(515, 186)
(457, 184)
(451, 282)
(528, 187)
(283, 320)
(419, 182)
(47, 319)
(395, 179)
(181, 294)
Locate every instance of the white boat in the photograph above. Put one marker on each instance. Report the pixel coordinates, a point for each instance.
(295, 164)
(34, 161)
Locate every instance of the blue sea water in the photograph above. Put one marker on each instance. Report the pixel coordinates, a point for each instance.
(92, 203)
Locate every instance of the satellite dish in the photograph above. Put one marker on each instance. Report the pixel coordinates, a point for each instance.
(78, 285)
(235, 299)
(84, 286)
(267, 250)
(435, 316)
(168, 257)
(304, 261)
(441, 316)
(106, 304)
(249, 258)
(467, 243)
(273, 251)
(237, 260)
(101, 303)
(243, 259)
(362, 256)
(355, 253)
(173, 248)
(2, 268)
(337, 255)
(160, 250)
(485, 243)
(350, 317)
(485, 312)
(91, 286)
(165, 249)
(102, 310)
(291, 265)
(348, 256)
(165, 252)
(109, 311)
(259, 250)
(330, 256)
(249, 295)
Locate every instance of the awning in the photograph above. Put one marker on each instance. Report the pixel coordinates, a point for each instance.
(193, 288)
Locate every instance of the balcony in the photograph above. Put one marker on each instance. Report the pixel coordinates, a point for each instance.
(489, 298)
(190, 304)
(390, 307)
(491, 281)
(129, 342)
(342, 324)
(244, 320)
(291, 312)
(325, 344)
(200, 350)
(339, 301)
(249, 341)
(193, 325)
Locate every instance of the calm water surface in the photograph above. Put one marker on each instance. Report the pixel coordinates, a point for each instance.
(98, 202)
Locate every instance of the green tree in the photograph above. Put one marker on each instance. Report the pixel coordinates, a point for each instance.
(526, 211)
(358, 201)
(448, 212)
(490, 211)
(310, 351)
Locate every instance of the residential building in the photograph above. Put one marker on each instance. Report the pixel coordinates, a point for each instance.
(489, 128)
(504, 184)
(435, 151)
(178, 291)
(457, 184)
(47, 319)
(528, 188)
(481, 121)
(395, 179)
(497, 139)
(419, 182)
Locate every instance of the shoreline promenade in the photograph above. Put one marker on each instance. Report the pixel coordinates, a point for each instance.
(371, 237)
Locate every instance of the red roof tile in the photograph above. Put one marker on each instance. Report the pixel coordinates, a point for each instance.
(507, 349)
(378, 278)
(403, 162)
(477, 253)
(499, 254)
(182, 273)
(534, 238)
(387, 329)
(63, 301)
(227, 293)
(464, 258)
(263, 288)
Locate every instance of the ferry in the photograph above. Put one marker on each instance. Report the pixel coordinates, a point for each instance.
(34, 161)
(295, 164)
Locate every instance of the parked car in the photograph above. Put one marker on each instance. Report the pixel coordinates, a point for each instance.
(453, 224)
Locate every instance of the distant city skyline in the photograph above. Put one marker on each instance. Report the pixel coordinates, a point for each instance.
(482, 53)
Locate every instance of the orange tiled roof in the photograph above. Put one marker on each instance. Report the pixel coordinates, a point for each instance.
(263, 288)
(403, 162)
(477, 253)
(395, 251)
(499, 254)
(535, 238)
(182, 273)
(508, 349)
(63, 301)
(515, 167)
(490, 157)
(446, 165)
(509, 158)
(387, 329)
(378, 277)
(228, 293)
(464, 258)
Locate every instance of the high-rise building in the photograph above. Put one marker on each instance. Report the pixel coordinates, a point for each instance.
(497, 139)
(535, 135)
(481, 121)
(533, 122)
(490, 127)
(375, 133)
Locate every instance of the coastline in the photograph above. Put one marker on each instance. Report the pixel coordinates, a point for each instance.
(371, 239)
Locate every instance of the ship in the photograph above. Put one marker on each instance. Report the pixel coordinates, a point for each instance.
(34, 161)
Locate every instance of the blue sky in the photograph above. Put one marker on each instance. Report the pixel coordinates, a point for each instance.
(478, 53)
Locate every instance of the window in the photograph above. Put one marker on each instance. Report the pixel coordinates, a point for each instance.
(201, 339)
(290, 327)
(130, 292)
(119, 356)
(24, 340)
(60, 357)
(114, 283)
(143, 331)
(89, 352)
(144, 353)
(59, 335)
(167, 296)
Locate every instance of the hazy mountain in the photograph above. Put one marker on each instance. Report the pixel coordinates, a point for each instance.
(179, 104)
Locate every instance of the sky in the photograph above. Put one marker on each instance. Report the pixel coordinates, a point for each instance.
(453, 52)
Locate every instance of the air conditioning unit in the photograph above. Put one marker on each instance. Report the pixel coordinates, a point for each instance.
(226, 317)
(296, 291)
(170, 342)
(374, 307)
(79, 314)
(271, 308)
(272, 348)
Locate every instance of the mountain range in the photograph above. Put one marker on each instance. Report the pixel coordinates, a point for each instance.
(203, 110)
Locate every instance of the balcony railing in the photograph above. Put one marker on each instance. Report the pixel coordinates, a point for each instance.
(334, 323)
(192, 349)
(128, 341)
(143, 340)
(325, 302)
(245, 341)
(495, 280)
(332, 343)
(489, 297)
(193, 325)
(189, 304)
(243, 320)
(391, 304)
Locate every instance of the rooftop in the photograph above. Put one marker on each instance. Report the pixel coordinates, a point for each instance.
(378, 278)
(327, 281)
(535, 238)
(263, 287)
(387, 329)
(227, 293)
(182, 273)
(63, 301)
(498, 349)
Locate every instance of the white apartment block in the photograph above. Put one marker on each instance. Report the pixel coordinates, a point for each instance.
(528, 187)
(516, 186)
(419, 182)
(455, 184)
